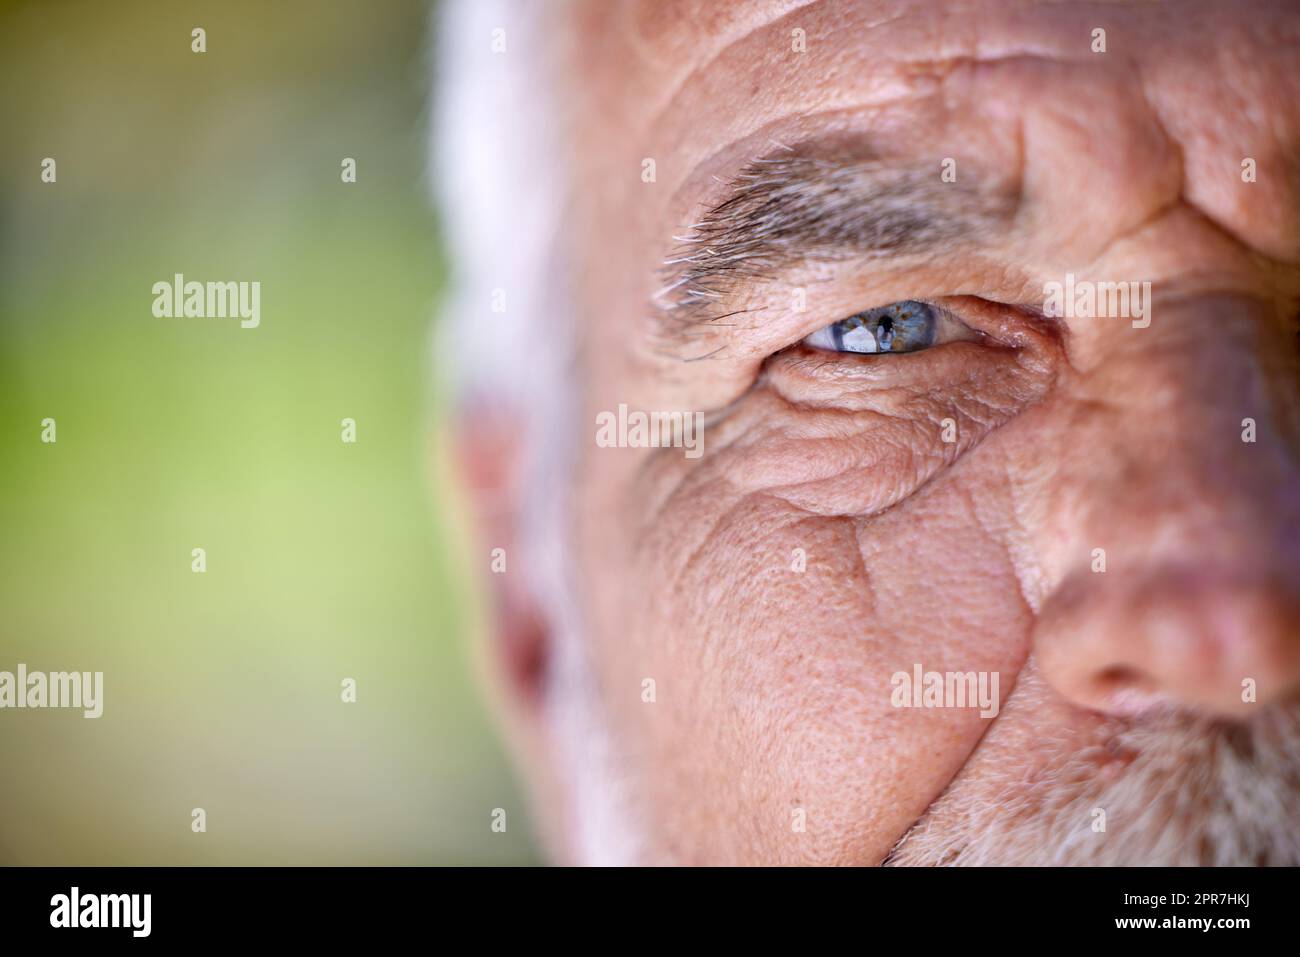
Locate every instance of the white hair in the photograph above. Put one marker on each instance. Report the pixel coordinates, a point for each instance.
(498, 180)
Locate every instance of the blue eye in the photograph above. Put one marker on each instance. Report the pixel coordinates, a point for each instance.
(906, 326)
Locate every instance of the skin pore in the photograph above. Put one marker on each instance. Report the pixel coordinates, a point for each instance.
(796, 189)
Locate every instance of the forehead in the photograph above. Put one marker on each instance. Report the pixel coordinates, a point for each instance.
(677, 62)
(702, 87)
(666, 36)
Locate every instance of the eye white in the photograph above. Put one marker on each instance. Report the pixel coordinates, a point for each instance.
(823, 338)
(855, 340)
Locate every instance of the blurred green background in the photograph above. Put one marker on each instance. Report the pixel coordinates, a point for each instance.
(325, 560)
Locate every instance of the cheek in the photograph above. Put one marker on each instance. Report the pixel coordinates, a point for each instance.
(772, 635)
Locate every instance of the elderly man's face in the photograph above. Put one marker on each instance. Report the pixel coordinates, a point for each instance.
(1073, 506)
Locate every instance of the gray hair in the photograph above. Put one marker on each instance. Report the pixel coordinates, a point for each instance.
(497, 177)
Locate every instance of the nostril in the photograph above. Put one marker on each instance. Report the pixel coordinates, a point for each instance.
(1117, 676)
(1117, 683)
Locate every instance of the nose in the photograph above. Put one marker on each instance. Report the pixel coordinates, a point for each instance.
(1180, 636)
(1171, 547)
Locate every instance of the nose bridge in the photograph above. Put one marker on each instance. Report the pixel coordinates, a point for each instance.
(1181, 439)
(1170, 546)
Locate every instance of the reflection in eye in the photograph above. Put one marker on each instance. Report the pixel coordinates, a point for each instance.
(906, 326)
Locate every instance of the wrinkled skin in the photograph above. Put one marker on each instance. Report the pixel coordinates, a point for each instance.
(772, 686)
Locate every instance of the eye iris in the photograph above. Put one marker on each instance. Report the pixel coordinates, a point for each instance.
(898, 327)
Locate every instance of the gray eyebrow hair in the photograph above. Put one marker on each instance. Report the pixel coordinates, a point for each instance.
(787, 209)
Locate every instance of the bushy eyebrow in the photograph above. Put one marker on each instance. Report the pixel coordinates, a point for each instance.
(789, 208)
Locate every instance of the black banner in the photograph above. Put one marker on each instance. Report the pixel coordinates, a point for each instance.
(373, 905)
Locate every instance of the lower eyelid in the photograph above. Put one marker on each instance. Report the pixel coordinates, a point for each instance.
(817, 378)
(866, 442)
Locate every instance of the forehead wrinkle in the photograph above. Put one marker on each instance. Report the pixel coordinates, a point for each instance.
(729, 40)
(659, 30)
